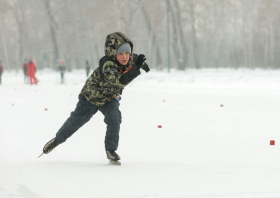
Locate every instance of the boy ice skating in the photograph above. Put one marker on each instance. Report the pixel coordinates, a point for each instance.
(102, 92)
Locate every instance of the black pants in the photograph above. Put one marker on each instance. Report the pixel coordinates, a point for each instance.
(62, 77)
(82, 114)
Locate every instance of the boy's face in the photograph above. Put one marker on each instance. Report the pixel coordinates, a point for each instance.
(122, 58)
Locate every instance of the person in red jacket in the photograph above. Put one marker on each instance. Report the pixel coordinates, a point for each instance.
(1, 71)
(31, 70)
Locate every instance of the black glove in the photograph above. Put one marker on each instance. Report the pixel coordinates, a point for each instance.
(145, 67)
(140, 60)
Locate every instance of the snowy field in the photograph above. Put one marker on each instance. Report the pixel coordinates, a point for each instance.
(202, 150)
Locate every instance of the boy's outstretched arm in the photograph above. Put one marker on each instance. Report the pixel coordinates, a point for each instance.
(139, 62)
(128, 76)
(143, 64)
(108, 70)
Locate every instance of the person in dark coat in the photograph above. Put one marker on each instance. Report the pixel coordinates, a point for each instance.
(62, 69)
(87, 68)
(102, 91)
(24, 68)
(1, 71)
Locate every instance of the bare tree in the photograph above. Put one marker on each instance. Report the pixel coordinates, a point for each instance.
(183, 42)
(175, 44)
(19, 15)
(204, 33)
(152, 34)
(3, 5)
(53, 27)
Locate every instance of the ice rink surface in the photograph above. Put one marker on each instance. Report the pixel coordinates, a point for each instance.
(214, 141)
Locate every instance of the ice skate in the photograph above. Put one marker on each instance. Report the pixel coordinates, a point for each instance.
(113, 157)
(49, 146)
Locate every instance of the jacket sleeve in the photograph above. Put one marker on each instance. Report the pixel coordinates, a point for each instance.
(109, 71)
(132, 73)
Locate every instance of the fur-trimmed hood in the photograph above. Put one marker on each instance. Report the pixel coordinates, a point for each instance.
(113, 42)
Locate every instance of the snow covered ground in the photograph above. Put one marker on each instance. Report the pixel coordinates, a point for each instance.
(202, 150)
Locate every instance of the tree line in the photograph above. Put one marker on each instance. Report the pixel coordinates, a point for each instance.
(178, 34)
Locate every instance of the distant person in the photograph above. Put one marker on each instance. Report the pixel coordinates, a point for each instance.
(31, 70)
(62, 69)
(1, 71)
(24, 68)
(102, 91)
(87, 68)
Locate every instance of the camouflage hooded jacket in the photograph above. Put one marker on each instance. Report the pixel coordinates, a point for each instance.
(109, 79)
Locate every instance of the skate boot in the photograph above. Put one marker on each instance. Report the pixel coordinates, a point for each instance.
(50, 146)
(113, 157)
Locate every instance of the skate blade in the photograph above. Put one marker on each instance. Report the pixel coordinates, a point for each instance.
(40, 155)
(114, 162)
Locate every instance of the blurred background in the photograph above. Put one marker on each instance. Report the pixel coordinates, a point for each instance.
(176, 34)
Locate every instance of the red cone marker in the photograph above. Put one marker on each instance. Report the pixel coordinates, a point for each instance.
(159, 126)
(272, 142)
(222, 105)
(46, 109)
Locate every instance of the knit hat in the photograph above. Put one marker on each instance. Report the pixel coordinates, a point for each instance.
(124, 48)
